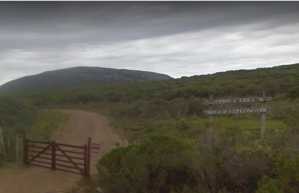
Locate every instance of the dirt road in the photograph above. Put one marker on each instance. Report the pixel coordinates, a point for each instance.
(79, 127)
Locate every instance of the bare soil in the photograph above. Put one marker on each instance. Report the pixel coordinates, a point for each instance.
(80, 126)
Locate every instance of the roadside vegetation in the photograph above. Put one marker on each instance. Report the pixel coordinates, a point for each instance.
(45, 124)
(237, 160)
(20, 118)
(171, 150)
(16, 117)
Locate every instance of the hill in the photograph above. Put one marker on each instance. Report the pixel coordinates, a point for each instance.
(78, 76)
(277, 81)
(164, 121)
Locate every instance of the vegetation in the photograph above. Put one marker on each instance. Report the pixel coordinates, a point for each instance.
(175, 148)
(19, 117)
(16, 116)
(232, 158)
(281, 82)
(77, 76)
(159, 164)
(46, 122)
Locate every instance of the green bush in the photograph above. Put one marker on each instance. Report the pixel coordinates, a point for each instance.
(15, 114)
(284, 177)
(45, 123)
(16, 117)
(287, 172)
(269, 185)
(158, 165)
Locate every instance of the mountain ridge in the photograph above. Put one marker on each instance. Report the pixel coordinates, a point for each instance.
(77, 76)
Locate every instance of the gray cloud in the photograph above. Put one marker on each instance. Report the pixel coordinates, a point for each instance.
(179, 39)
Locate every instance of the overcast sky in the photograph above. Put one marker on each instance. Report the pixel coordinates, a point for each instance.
(179, 39)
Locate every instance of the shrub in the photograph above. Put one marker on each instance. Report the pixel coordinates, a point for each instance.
(269, 185)
(15, 113)
(16, 116)
(158, 165)
(287, 172)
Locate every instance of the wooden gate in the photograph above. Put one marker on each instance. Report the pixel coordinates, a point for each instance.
(59, 156)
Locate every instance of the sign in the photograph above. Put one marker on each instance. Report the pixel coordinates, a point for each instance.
(236, 106)
(238, 100)
(236, 111)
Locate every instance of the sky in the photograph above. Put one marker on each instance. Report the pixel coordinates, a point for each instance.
(175, 38)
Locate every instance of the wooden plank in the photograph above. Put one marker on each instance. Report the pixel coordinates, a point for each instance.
(34, 153)
(42, 157)
(40, 165)
(70, 146)
(72, 157)
(42, 162)
(36, 142)
(45, 149)
(67, 161)
(74, 152)
(32, 146)
(68, 157)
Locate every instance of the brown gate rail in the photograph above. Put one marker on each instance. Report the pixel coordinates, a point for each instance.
(59, 156)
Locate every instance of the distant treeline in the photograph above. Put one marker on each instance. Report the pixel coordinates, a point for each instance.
(282, 81)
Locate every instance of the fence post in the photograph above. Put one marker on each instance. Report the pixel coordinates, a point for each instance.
(87, 157)
(2, 144)
(19, 145)
(53, 144)
(25, 154)
(85, 161)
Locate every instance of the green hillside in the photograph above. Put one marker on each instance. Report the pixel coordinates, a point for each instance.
(281, 81)
(172, 149)
(76, 77)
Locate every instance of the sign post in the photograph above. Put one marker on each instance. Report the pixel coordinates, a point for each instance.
(210, 138)
(237, 106)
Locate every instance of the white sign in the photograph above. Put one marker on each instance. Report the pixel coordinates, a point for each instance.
(238, 100)
(233, 111)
